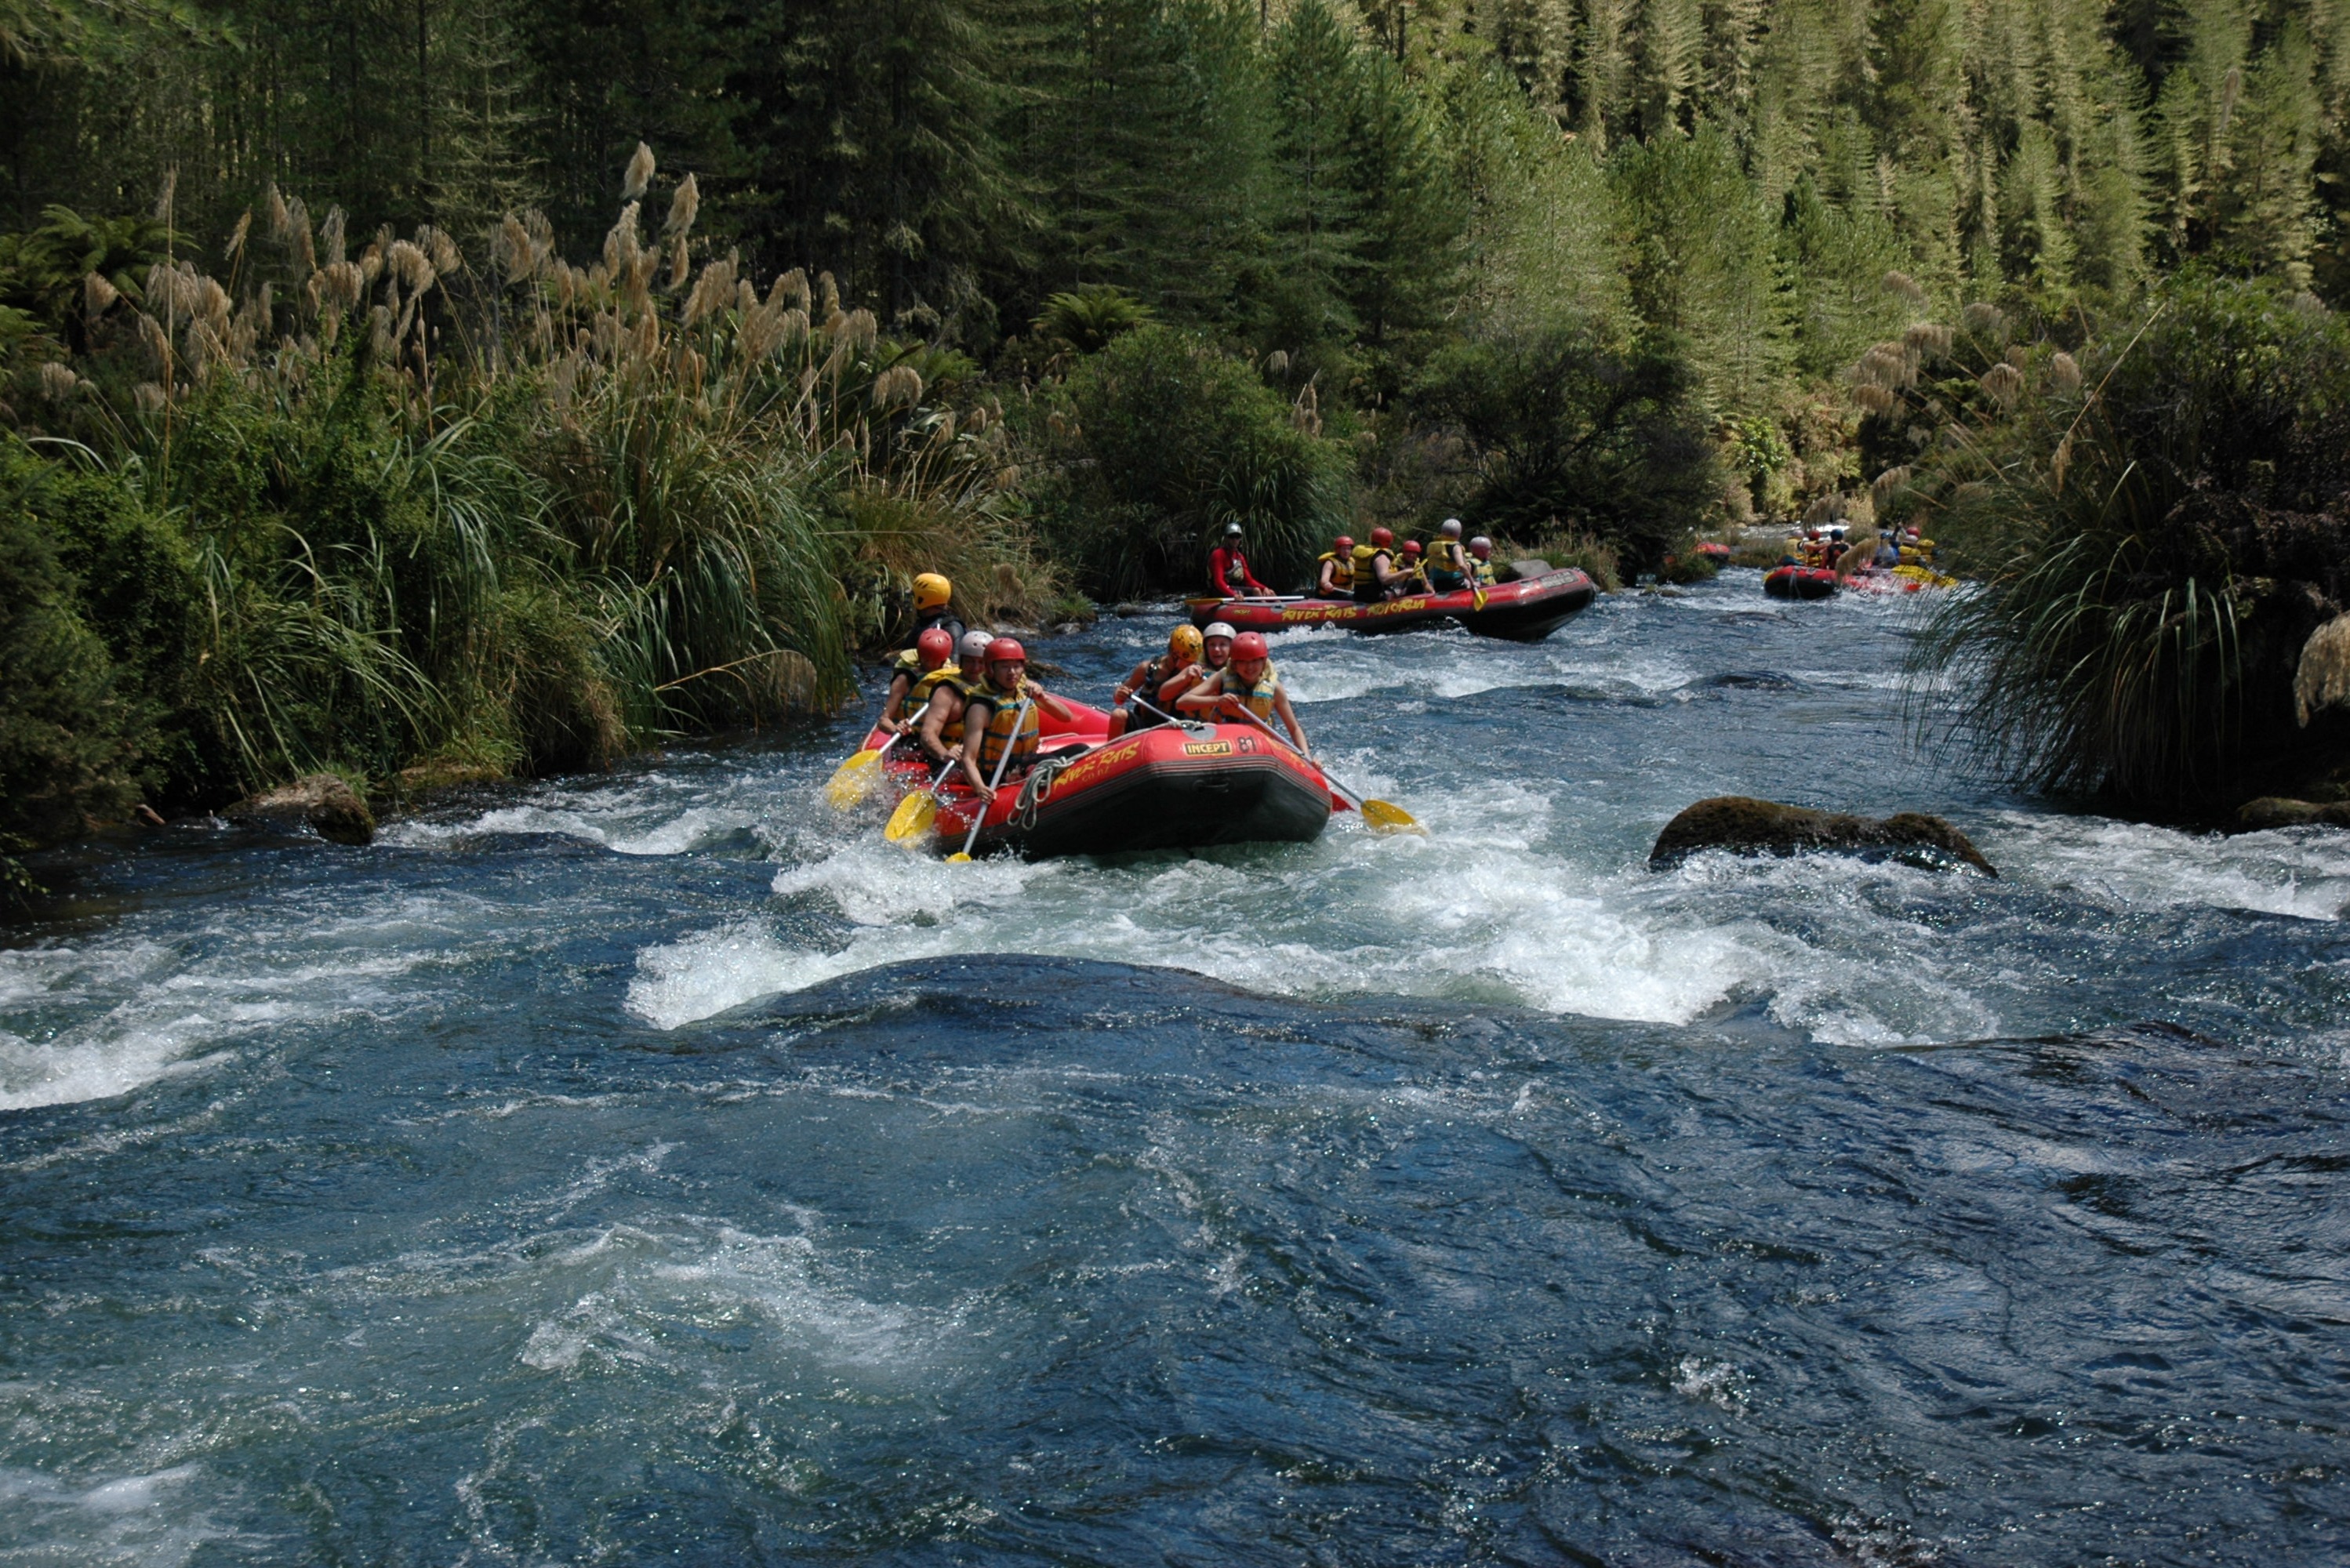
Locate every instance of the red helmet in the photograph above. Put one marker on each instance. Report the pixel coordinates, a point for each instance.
(935, 646)
(1341, 543)
(1249, 645)
(1006, 650)
(1382, 537)
(1411, 547)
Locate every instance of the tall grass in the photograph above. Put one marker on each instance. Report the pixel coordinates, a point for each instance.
(2159, 521)
(523, 516)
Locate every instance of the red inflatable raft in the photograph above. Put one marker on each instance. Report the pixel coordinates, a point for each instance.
(1175, 786)
(1799, 582)
(1524, 611)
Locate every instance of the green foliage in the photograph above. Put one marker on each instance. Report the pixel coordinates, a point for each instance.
(1087, 318)
(1569, 432)
(70, 739)
(2158, 533)
(1175, 439)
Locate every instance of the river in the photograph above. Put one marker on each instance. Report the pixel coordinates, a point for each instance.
(657, 1164)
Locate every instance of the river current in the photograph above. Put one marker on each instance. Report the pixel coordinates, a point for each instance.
(657, 1164)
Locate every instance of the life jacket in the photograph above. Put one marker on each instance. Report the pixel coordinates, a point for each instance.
(1366, 576)
(1236, 572)
(1256, 697)
(1004, 708)
(1342, 571)
(1446, 565)
(918, 695)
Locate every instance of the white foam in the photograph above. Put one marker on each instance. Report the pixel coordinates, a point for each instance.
(151, 1519)
(2304, 872)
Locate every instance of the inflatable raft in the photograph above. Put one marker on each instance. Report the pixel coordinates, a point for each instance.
(1176, 786)
(1526, 610)
(1900, 580)
(1799, 582)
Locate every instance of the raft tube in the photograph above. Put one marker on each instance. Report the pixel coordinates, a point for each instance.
(1524, 611)
(1799, 582)
(1173, 786)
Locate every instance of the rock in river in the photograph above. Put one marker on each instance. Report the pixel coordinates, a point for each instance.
(1745, 826)
(319, 801)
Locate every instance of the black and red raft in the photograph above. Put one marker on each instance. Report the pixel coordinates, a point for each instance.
(1526, 610)
(1176, 786)
(1799, 582)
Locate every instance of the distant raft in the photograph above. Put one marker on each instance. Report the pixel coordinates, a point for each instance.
(1526, 610)
(1900, 580)
(1799, 582)
(1173, 786)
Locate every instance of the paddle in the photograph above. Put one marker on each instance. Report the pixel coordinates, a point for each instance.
(1378, 816)
(854, 779)
(917, 811)
(1004, 758)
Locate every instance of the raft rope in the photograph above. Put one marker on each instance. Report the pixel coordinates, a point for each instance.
(1037, 788)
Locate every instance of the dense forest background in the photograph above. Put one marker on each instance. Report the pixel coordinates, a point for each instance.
(1043, 293)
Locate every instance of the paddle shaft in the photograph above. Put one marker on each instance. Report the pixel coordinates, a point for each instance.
(982, 807)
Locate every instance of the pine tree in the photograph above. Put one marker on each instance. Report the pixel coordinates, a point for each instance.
(1315, 204)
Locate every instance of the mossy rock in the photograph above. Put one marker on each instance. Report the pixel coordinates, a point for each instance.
(2275, 811)
(1745, 826)
(326, 805)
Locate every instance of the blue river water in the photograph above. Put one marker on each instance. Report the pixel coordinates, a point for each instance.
(656, 1165)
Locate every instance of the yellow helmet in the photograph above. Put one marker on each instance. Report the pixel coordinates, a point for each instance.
(932, 591)
(1184, 642)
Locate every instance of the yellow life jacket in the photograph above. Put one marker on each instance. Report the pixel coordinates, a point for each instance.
(918, 695)
(1004, 708)
(1342, 570)
(1256, 697)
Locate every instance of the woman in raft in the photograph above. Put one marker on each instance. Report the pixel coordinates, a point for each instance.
(1248, 683)
(1183, 649)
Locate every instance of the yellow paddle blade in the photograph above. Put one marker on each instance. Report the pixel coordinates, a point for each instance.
(853, 780)
(914, 817)
(957, 858)
(1386, 816)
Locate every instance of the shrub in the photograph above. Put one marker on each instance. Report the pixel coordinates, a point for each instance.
(1172, 439)
(2159, 525)
(70, 739)
(1567, 432)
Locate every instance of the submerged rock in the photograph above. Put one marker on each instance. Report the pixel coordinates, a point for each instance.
(2275, 811)
(321, 802)
(1745, 826)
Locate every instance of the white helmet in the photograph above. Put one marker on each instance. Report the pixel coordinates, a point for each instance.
(1480, 545)
(1219, 628)
(975, 647)
(1451, 529)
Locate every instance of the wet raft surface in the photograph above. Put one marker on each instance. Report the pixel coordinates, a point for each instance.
(475, 1197)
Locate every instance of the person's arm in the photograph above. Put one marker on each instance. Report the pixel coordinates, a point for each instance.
(1050, 703)
(1202, 698)
(1219, 562)
(934, 725)
(1289, 717)
(1171, 689)
(975, 716)
(900, 684)
(1248, 575)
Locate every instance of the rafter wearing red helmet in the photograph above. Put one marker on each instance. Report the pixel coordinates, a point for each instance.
(1251, 684)
(993, 718)
(1335, 580)
(915, 675)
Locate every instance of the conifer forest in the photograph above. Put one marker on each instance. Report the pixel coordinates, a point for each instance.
(414, 388)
